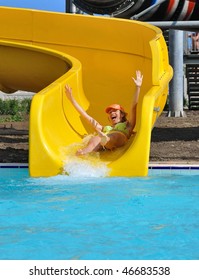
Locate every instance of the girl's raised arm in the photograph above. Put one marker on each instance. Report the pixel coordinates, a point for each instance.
(138, 84)
(96, 126)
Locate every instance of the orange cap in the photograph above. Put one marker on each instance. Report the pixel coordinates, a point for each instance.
(116, 107)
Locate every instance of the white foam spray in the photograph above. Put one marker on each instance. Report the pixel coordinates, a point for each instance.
(83, 166)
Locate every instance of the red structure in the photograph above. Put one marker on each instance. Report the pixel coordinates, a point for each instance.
(174, 10)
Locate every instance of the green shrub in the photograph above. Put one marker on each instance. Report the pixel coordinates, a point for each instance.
(25, 105)
(14, 109)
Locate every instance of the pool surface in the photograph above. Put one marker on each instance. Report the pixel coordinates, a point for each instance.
(56, 218)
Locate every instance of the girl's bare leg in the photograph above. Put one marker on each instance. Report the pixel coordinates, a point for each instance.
(110, 141)
(92, 146)
(104, 138)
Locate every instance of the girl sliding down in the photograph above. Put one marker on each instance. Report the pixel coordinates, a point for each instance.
(115, 135)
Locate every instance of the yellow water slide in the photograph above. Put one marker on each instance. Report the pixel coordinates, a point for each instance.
(97, 56)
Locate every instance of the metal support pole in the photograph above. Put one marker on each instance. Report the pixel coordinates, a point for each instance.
(191, 25)
(70, 7)
(176, 84)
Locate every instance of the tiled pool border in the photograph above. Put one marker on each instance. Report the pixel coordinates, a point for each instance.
(13, 165)
(173, 166)
(152, 166)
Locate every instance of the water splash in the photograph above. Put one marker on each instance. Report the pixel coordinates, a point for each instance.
(83, 166)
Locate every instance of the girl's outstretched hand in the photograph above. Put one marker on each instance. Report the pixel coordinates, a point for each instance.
(138, 80)
(68, 91)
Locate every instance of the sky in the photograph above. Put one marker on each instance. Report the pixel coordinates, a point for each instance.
(48, 5)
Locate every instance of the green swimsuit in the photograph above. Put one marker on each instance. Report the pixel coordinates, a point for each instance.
(121, 127)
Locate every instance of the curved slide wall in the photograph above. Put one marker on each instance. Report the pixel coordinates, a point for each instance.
(97, 56)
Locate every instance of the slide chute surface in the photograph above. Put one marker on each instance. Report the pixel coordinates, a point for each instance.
(97, 56)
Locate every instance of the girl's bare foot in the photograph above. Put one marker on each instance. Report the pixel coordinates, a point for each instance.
(80, 152)
(85, 151)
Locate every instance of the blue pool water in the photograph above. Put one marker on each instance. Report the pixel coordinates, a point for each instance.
(156, 217)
